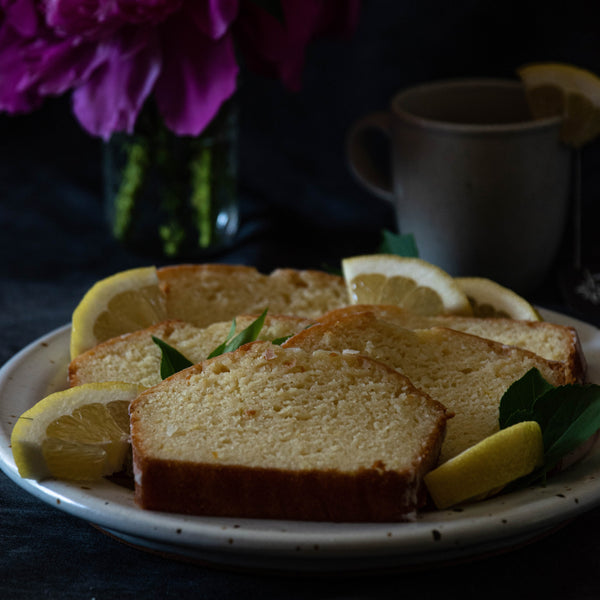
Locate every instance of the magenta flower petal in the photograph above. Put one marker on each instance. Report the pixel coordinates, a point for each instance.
(198, 75)
(18, 27)
(15, 96)
(63, 65)
(87, 19)
(114, 54)
(151, 12)
(39, 65)
(22, 16)
(112, 97)
(277, 49)
(213, 17)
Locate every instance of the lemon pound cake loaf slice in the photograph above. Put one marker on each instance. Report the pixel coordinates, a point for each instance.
(550, 341)
(135, 358)
(208, 293)
(466, 373)
(268, 432)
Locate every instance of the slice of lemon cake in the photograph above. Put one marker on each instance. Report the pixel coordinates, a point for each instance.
(208, 293)
(466, 373)
(268, 432)
(548, 340)
(135, 358)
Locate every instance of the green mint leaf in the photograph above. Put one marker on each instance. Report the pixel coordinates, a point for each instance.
(221, 348)
(568, 416)
(249, 334)
(517, 402)
(402, 245)
(518, 416)
(172, 361)
(232, 329)
(282, 340)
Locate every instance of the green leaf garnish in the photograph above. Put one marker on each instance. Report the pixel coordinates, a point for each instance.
(249, 334)
(517, 402)
(568, 415)
(402, 245)
(172, 361)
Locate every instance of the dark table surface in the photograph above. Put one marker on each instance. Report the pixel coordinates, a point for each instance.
(300, 208)
(54, 245)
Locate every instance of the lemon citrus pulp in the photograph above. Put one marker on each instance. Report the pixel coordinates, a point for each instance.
(487, 466)
(81, 433)
(124, 302)
(411, 283)
(490, 299)
(563, 89)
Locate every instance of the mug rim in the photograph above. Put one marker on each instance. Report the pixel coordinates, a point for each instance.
(442, 125)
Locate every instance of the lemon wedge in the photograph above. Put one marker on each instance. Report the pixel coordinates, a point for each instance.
(563, 89)
(488, 466)
(411, 283)
(490, 299)
(77, 434)
(122, 303)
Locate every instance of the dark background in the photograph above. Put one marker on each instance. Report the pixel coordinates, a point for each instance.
(300, 204)
(300, 208)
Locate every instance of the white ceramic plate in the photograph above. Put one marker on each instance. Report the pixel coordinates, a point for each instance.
(435, 537)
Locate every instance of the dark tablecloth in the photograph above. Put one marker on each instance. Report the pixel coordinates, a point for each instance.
(300, 208)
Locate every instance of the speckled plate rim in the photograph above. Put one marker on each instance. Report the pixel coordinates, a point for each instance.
(498, 523)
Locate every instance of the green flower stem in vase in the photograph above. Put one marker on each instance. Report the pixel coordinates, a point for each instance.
(173, 196)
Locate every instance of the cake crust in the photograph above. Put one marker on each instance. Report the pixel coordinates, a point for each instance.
(466, 373)
(367, 495)
(551, 341)
(387, 488)
(206, 293)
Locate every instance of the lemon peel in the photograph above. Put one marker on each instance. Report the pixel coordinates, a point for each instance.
(490, 299)
(121, 303)
(563, 89)
(488, 466)
(412, 283)
(81, 433)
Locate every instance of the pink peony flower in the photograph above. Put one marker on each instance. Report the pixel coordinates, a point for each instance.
(113, 55)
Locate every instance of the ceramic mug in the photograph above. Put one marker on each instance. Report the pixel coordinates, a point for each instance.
(483, 187)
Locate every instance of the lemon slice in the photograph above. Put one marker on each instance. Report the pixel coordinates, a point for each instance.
(488, 466)
(563, 89)
(122, 303)
(78, 434)
(490, 299)
(411, 283)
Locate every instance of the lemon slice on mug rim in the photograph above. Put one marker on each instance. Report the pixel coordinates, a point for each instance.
(564, 89)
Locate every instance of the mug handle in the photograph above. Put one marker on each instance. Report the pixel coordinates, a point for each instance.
(362, 163)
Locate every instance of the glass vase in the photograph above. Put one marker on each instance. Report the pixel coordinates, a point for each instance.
(173, 196)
